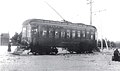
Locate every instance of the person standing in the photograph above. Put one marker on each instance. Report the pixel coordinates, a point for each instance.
(116, 55)
(9, 47)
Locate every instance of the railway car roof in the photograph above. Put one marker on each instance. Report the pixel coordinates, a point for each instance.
(58, 23)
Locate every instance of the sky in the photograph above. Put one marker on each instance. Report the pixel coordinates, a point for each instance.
(105, 17)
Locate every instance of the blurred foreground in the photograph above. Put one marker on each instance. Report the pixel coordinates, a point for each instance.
(99, 61)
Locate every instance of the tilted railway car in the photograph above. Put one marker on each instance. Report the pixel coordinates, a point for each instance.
(45, 36)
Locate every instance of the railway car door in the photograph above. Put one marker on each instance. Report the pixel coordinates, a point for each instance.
(24, 33)
(34, 34)
(28, 32)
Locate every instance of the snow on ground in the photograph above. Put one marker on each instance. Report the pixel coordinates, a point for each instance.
(98, 61)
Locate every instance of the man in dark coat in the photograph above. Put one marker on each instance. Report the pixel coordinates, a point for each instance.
(9, 47)
(116, 55)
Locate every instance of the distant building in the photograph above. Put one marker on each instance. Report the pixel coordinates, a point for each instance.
(4, 39)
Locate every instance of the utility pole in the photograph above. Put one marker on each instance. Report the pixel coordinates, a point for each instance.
(90, 12)
(90, 2)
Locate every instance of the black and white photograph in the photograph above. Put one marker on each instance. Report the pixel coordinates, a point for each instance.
(59, 35)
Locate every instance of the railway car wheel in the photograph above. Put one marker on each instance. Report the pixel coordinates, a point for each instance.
(90, 52)
(71, 52)
(34, 53)
(47, 52)
(54, 50)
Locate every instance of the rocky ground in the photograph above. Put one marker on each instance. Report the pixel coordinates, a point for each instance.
(98, 61)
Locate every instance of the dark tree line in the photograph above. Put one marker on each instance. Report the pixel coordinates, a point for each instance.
(16, 38)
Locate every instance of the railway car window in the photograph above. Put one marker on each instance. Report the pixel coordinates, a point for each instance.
(87, 34)
(44, 33)
(73, 33)
(24, 32)
(56, 34)
(50, 33)
(68, 33)
(92, 35)
(78, 34)
(62, 34)
(35, 31)
(28, 32)
(95, 35)
(83, 33)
